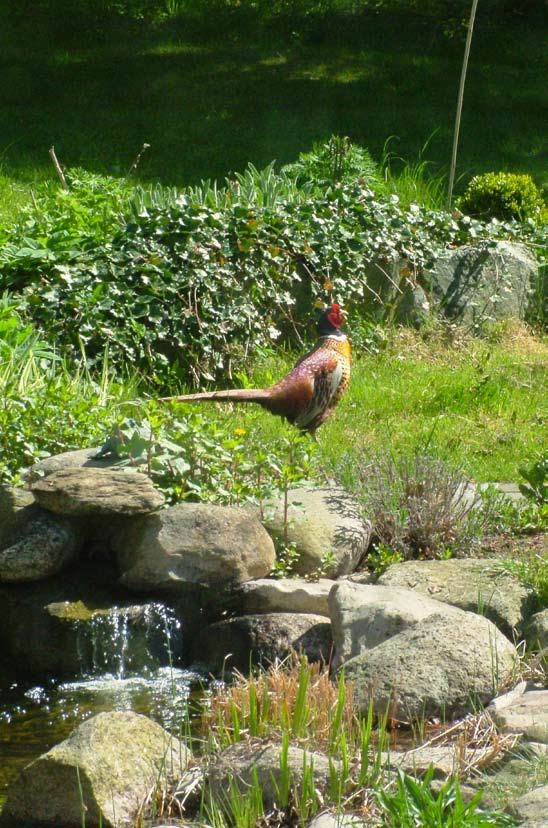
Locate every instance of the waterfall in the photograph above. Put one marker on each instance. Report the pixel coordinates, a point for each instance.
(125, 641)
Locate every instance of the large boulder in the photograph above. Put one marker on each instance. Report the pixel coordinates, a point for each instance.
(12, 502)
(325, 528)
(285, 595)
(537, 630)
(473, 585)
(101, 774)
(90, 491)
(363, 616)
(262, 639)
(484, 282)
(193, 544)
(79, 458)
(438, 667)
(531, 808)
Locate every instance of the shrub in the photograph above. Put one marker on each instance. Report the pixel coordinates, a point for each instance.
(419, 508)
(503, 196)
(186, 288)
(333, 162)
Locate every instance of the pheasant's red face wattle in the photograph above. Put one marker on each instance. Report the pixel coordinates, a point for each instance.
(335, 316)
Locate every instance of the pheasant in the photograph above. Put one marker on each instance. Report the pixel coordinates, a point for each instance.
(309, 393)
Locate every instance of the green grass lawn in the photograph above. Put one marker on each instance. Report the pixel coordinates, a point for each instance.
(209, 103)
(477, 405)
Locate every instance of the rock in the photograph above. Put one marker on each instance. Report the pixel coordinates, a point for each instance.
(537, 630)
(325, 527)
(470, 584)
(97, 492)
(363, 616)
(412, 307)
(484, 282)
(336, 820)
(12, 501)
(445, 760)
(41, 545)
(506, 699)
(106, 768)
(437, 667)
(285, 595)
(532, 808)
(245, 760)
(262, 639)
(79, 459)
(193, 544)
(527, 713)
(537, 750)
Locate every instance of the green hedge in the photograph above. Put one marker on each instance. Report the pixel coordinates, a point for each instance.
(186, 288)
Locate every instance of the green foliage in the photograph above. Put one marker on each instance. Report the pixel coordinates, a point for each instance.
(195, 457)
(413, 803)
(48, 405)
(532, 572)
(59, 223)
(188, 288)
(381, 556)
(503, 196)
(334, 162)
(526, 517)
(536, 486)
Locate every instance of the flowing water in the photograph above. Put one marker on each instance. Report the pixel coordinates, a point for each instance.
(127, 663)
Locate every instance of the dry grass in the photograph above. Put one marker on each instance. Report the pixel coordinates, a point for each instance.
(269, 703)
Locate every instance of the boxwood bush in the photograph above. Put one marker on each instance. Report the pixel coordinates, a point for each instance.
(503, 196)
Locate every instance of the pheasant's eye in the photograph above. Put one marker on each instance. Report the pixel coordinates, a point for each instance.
(335, 316)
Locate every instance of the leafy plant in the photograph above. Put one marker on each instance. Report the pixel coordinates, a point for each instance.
(503, 196)
(334, 162)
(532, 570)
(187, 287)
(194, 457)
(414, 803)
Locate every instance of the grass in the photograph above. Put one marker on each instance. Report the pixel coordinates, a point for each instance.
(474, 403)
(295, 704)
(512, 779)
(211, 101)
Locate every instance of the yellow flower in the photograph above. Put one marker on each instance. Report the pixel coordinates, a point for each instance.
(239, 432)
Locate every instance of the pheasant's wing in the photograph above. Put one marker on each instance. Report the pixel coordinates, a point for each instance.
(326, 384)
(305, 392)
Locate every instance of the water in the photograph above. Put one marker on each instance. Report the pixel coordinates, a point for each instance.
(127, 661)
(128, 640)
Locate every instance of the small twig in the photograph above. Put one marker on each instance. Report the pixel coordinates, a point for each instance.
(137, 160)
(58, 168)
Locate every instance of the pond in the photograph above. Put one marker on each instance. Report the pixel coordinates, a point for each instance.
(36, 716)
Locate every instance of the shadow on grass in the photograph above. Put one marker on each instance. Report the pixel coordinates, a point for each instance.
(208, 104)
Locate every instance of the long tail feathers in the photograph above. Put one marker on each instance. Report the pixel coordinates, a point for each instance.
(257, 395)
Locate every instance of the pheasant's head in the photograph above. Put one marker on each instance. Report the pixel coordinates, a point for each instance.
(331, 320)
